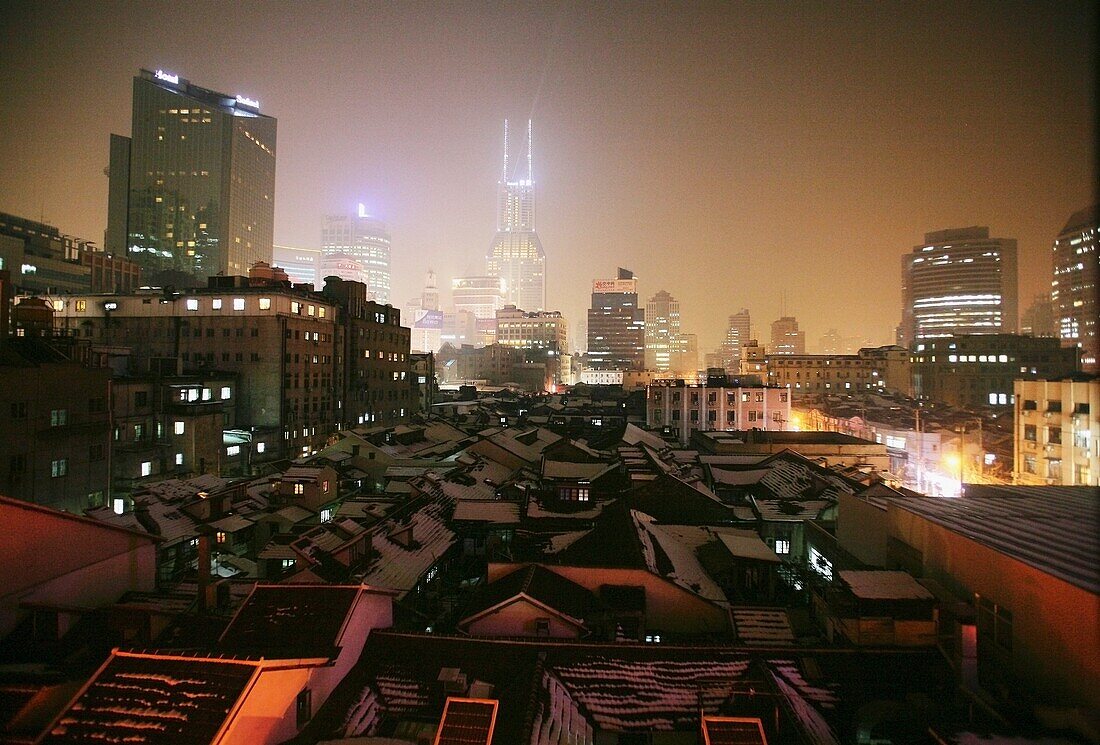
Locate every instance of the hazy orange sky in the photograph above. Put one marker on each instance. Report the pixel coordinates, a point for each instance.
(728, 153)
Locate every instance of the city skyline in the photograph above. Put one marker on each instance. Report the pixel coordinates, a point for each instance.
(635, 159)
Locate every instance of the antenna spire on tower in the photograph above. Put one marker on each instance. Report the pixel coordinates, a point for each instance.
(530, 174)
(504, 173)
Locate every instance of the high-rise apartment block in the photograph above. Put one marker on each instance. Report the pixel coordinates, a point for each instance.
(192, 191)
(662, 327)
(356, 248)
(786, 337)
(1057, 428)
(516, 255)
(958, 281)
(1076, 283)
(616, 325)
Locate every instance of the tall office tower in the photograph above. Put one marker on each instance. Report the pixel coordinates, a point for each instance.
(736, 335)
(356, 247)
(616, 325)
(192, 190)
(1038, 319)
(302, 265)
(786, 338)
(1075, 284)
(684, 355)
(662, 325)
(483, 297)
(516, 255)
(958, 281)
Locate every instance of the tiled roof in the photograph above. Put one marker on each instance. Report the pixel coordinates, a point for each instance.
(152, 699)
(290, 621)
(542, 585)
(400, 568)
(762, 626)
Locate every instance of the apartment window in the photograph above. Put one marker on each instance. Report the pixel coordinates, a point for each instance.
(59, 467)
(1054, 435)
(95, 452)
(260, 447)
(311, 310)
(192, 303)
(233, 450)
(782, 546)
(147, 468)
(299, 488)
(265, 303)
(179, 428)
(59, 417)
(653, 638)
(19, 410)
(238, 303)
(324, 487)
(220, 536)
(327, 514)
(141, 399)
(226, 392)
(288, 563)
(295, 307)
(1030, 432)
(752, 416)
(81, 306)
(542, 627)
(216, 303)
(179, 459)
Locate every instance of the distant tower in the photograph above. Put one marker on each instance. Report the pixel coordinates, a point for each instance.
(662, 326)
(516, 254)
(737, 335)
(1074, 286)
(616, 325)
(356, 247)
(786, 338)
(430, 296)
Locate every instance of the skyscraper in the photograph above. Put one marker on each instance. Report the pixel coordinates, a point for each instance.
(786, 338)
(356, 247)
(516, 254)
(482, 297)
(1075, 284)
(662, 326)
(958, 281)
(616, 325)
(192, 190)
(737, 335)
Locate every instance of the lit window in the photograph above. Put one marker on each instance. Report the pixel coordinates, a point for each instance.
(324, 486)
(311, 310)
(192, 303)
(260, 447)
(653, 638)
(265, 303)
(299, 488)
(226, 392)
(216, 303)
(327, 514)
(179, 459)
(180, 427)
(321, 311)
(296, 307)
(59, 417)
(81, 306)
(220, 538)
(238, 303)
(233, 450)
(147, 468)
(782, 546)
(59, 467)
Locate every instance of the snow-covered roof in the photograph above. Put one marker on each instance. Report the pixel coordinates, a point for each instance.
(556, 469)
(762, 626)
(231, 524)
(399, 568)
(747, 544)
(679, 543)
(486, 510)
(884, 585)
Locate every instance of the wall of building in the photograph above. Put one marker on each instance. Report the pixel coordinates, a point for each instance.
(1057, 432)
(1055, 645)
(518, 618)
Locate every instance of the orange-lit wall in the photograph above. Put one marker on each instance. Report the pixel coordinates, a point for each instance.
(517, 618)
(1056, 625)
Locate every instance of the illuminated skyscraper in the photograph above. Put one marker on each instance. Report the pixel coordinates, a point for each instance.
(1076, 283)
(958, 281)
(616, 325)
(516, 255)
(192, 190)
(737, 335)
(356, 247)
(786, 338)
(662, 326)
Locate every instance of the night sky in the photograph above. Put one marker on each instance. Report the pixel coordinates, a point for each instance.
(730, 154)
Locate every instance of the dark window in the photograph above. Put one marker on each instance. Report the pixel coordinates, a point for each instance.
(141, 398)
(95, 452)
(19, 410)
(304, 708)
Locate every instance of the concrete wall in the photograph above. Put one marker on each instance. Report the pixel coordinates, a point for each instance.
(861, 529)
(1056, 625)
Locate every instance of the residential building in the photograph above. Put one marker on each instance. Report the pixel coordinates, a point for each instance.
(302, 265)
(1076, 283)
(883, 368)
(516, 255)
(192, 191)
(979, 370)
(307, 363)
(1057, 431)
(616, 325)
(958, 282)
(786, 337)
(56, 442)
(662, 326)
(681, 409)
(356, 248)
(42, 260)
